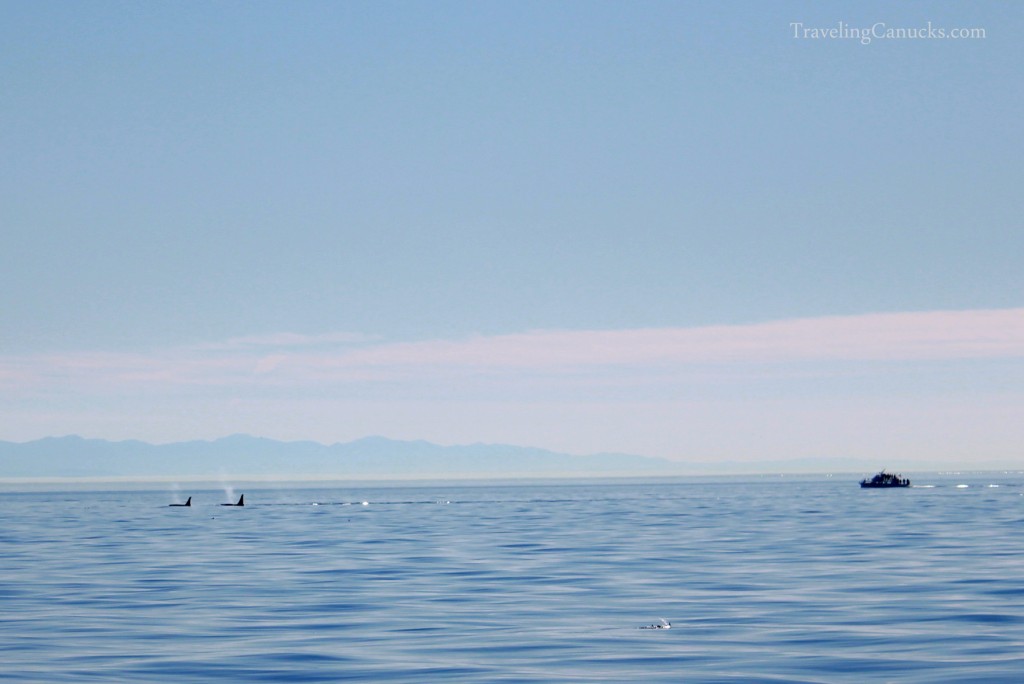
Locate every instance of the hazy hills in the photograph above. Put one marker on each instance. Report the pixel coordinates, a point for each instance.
(378, 458)
(245, 456)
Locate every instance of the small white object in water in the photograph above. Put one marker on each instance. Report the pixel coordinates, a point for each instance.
(366, 503)
(662, 624)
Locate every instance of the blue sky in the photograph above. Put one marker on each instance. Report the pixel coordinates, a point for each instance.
(209, 209)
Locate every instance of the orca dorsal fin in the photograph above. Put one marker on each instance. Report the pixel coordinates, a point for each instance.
(189, 501)
(241, 500)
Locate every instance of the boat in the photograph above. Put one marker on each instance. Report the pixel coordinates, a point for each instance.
(884, 480)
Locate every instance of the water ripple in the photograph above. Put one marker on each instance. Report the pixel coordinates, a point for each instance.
(807, 580)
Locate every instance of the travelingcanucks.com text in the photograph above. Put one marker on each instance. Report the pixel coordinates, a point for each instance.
(882, 31)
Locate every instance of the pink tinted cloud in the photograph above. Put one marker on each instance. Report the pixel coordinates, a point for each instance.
(286, 340)
(296, 360)
(884, 337)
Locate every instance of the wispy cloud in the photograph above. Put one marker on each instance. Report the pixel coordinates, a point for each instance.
(286, 340)
(303, 360)
(890, 337)
(936, 383)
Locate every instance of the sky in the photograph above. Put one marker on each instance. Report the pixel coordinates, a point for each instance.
(704, 231)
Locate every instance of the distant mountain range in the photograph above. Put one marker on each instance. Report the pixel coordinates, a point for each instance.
(240, 456)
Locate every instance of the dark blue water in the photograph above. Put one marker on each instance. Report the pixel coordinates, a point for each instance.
(794, 580)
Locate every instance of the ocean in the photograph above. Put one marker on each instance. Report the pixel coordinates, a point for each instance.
(774, 579)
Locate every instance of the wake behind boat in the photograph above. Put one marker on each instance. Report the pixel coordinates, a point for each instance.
(885, 480)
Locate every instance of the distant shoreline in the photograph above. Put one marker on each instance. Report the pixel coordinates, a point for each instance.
(265, 482)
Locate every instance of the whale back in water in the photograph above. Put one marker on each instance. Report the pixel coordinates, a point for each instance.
(241, 502)
(187, 503)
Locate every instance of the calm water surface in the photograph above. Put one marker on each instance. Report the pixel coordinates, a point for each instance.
(763, 579)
